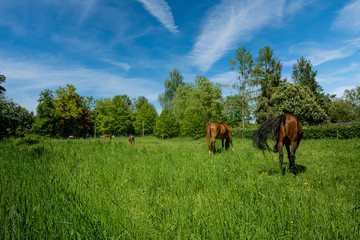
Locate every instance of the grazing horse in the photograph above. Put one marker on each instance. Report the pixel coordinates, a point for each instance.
(131, 139)
(287, 131)
(218, 131)
(107, 136)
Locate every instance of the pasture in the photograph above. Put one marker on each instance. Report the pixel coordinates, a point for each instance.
(173, 189)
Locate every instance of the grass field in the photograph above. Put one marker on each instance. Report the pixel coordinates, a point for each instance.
(173, 189)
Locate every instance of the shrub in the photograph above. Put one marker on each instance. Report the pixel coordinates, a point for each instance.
(340, 131)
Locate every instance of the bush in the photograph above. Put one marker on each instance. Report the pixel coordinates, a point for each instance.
(313, 132)
(328, 131)
(241, 132)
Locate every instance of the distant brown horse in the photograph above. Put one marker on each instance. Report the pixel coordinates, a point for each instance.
(287, 130)
(131, 139)
(107, 136)
(218, 131)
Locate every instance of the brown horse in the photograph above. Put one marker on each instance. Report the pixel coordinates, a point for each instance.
(218, 131)
(107, 136)
(287, 131)
(131, 139)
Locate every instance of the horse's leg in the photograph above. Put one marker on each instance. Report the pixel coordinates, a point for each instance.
(222, 144)
(230, 140)
(213, 145)
(294, 146)
(281, 156)
(289, 154)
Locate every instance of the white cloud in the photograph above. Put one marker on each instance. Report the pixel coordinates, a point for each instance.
(162, 12)
(123, 65)
(319, 53)
(25, 80)
(339, 92)
(225, 77)
(348, 18)
(231, 22)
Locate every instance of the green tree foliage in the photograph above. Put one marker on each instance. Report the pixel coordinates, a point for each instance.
(166, 125)
(114, 116)
(139, 102)
(353, 96)
(14, 119)
(300, 101)
(120, 112)
(145, 119)
(233, 111)
(341, 111)
(102, 116)
(267, 76)
(2, 80)
(243, 62)
(193, 124)
(69, 108)
(171, 84)
(304, 75)
(45, 120)
(204, 97)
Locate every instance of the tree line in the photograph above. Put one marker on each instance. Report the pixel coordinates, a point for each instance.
(261, 93)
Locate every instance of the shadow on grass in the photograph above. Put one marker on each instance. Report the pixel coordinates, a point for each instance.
(275, 171)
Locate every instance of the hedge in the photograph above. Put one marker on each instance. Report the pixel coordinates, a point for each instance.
(313, 132)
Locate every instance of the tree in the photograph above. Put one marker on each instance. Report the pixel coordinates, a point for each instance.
(171, 84)
(267, 75)
(102, 114)
(45, 120)
(69, 109)
(166, 125)
(244, 63)
(145, 119)
(204, 97)
(353, 96)
(300, 101)
(2, 80)
(233, 111)
(193, 124)
(304, 75)
(121, 121)
(341, 111)
(14, 119)
(207, 99)
(139, 102)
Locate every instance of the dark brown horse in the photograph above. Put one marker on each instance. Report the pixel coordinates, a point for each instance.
(287, 131)
(218, 131)
(131, 139)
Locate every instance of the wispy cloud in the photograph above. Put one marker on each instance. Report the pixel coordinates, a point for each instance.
(319, 53)
(231, 22)
(122, 65)
(348, 18)
(162, 12)
(26, 79)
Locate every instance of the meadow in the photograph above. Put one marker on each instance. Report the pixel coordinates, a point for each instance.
(173, 189)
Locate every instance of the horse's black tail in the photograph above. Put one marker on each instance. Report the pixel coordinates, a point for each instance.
(261, 134)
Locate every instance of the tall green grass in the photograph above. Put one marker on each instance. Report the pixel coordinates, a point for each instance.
(173, 189)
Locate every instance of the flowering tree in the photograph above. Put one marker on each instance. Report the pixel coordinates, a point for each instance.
(300, 101)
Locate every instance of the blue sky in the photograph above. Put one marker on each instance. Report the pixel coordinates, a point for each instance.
(114, 47)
